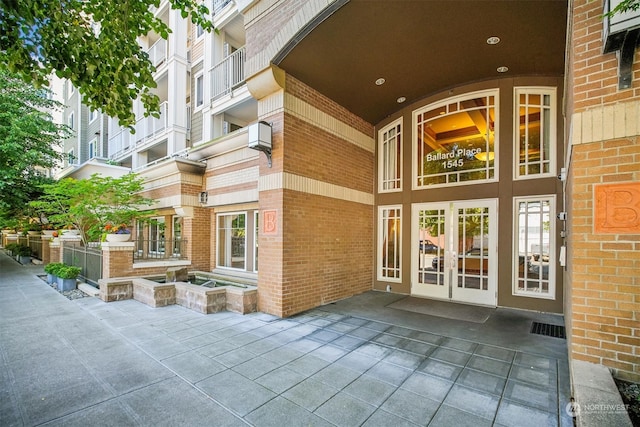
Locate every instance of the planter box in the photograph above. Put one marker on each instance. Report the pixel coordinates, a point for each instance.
(66, 284)
(118, 237)
(52, 278)
(24, 260)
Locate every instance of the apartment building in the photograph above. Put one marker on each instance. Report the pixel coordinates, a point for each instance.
(475, 152)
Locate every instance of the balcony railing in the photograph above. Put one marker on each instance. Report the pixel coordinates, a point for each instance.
(155, 249)
(228, 74)
(147, 127)
(158, 52)
(120, 143)
(218, 5)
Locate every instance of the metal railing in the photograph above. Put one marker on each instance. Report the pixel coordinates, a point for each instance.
(157, 249)
(228, 74)
(35, 243)
(147, 127)
(218, 5)
(158, 52)
(87, 258)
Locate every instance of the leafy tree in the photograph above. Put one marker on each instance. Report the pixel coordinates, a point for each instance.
(92, 43)
(625, 6)
(28, 141)
(90, 204)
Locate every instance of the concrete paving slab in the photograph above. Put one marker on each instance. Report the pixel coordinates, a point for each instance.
(355, 362)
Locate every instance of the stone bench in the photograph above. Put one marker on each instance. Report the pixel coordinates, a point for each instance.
(154, 294)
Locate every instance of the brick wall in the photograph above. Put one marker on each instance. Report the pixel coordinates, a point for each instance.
(604, 312)
(322, 250)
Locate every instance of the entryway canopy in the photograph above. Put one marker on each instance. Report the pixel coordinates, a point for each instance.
(423, 47)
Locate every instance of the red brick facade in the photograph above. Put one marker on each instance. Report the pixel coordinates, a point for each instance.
(604, 306)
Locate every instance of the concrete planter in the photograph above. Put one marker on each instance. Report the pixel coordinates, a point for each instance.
(24, 260)
(52, 278)
(66, 284)
(118, 237)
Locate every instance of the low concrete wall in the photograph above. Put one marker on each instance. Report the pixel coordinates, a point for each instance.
(201, 299)
(198, 298)
(154, 294)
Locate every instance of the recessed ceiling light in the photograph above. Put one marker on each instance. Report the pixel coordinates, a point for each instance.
(401, 99)
(380, 81)
(502, 69)
(493, 40)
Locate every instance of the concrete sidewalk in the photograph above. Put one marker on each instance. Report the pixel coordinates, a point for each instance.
(356, 362)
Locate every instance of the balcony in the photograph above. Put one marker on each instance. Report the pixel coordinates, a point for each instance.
(146, 128)
(218, 5)
(228, 74)
(158, 52)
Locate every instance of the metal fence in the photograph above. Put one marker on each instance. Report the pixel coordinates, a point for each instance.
(35, 243)
(87, 258)
(154, 249)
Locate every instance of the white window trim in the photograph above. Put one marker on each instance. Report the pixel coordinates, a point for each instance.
(381, 158)
(199, 32)
(379, 245)
(71, 157)
(195, 93)
(71, 120)
(224, 267)
(93, 116)
(414, 138)
(256, 218)
(94, 143)
(536, 90)
(551, 295)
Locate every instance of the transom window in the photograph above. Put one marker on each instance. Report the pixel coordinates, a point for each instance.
(390, 157)
(455, 140)
(535, 132)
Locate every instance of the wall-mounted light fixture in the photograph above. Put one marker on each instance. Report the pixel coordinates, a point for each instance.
(260, 139)
(204, 197)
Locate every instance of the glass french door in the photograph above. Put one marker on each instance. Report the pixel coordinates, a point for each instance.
(454, 251)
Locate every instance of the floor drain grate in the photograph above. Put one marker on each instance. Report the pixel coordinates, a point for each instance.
(546, 329)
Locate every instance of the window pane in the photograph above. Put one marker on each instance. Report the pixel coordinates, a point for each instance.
(457, 145)
(391, 158)
(535, 132)
(231, 241)
(535, 247)
(390, 241)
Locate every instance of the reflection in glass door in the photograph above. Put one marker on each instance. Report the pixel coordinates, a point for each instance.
(455, 251)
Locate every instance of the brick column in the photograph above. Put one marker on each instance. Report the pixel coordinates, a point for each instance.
(117, 259)
(55, 252)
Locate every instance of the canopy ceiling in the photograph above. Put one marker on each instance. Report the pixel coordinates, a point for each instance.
(423, 47)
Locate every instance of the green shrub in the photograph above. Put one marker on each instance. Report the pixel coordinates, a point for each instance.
(11, 247)
(22, 250)
(68, 272)
(53, 267)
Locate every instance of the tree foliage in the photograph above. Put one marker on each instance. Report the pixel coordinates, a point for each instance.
(28, 140)
(93, 44)
(90, 204)
(625, 6)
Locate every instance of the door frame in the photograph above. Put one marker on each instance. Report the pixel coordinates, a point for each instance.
(447, 291)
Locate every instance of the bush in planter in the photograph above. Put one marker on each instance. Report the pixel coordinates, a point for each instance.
(67, 275)
(52, 271)
(23, 253)
(11, 247)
